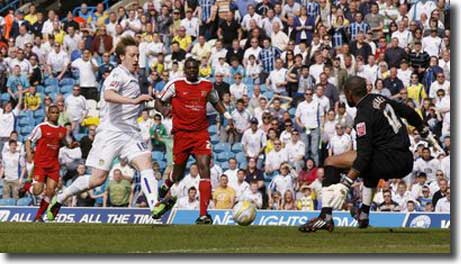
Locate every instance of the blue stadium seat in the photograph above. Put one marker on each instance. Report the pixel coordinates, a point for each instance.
(158, 156)
(39, 113)
(38, 120)
(263, 88)
(25, 121)
(222, 157)
(24, 113)
(224, 166)
(162, 165)
(40, 89)
(268, 94)
(66, 89)
(243, 165)
(67, 82)
(213, 129)
(51, 89)
(50, 81)
(222, 147)
(8, 202)
(26, 201)
(214, 139)
(237, 147)
(79, 136)
(25, 131)
(5, 97)
(292, 112)
(241, 157)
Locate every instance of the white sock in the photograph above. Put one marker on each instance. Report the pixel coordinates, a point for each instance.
(367, 195)
(149, 186)
(326, 198)
(80, 184)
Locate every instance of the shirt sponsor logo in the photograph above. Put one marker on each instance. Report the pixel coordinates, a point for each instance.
(361, 129)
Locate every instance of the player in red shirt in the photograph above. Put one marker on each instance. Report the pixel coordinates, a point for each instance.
(48, 138)
(189, 97)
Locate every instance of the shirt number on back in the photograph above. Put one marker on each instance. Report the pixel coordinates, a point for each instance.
(392, 118)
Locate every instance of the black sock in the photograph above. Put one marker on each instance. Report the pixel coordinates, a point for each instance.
(365, 208)
(326, 213)
(332, 176)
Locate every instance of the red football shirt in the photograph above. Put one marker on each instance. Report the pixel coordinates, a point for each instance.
(48, 140)
(189, 102)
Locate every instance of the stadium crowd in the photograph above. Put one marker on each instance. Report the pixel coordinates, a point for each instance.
(278, 66)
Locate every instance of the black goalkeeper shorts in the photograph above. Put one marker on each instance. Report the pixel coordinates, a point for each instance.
(392, 164)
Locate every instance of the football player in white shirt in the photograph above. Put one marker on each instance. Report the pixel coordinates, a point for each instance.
(188, 202)
(252, 194)
(118, 134)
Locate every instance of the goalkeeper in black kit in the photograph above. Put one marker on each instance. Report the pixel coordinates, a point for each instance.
(382, 153)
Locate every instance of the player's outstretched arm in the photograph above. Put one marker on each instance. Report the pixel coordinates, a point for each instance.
(112, 96)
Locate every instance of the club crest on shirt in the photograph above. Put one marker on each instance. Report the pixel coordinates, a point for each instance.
(361, 129)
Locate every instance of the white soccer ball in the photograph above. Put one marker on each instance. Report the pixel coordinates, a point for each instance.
(244, 213)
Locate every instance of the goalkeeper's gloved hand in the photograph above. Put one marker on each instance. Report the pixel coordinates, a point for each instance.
(338, 192)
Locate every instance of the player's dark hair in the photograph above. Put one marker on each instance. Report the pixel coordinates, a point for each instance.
(124, 42)
(52, 106)
(191, 60)
(356, 85)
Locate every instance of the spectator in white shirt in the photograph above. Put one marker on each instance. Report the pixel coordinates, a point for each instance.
(71, 40)
(316, 69)
(251, 15)
(403, 35)
(125, 168)
(309, 116)
(402, 196)
(191, 24)
(87, 67)
(241, 117)
(279, 38)
(7, 120)
(238, 89)
(47, 28)
(145, 124)
(191, 180)
(254, 50)
(253, 195)
(427, 164)
(58, 61)
(440, 83)
(190, 201)
(241, 186)
(69, 158)
(340, 142)
(215, 173)
(443, 204)
(277, 80)
(132, 24)
(76, 108)
(275, 157)
(283, 181)
(296, 150)
(432, 44)
(232, 172)
(253, 140)
(13, 170)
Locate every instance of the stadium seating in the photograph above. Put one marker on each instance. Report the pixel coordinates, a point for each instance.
(26, 201)
(49, 89)
(8, 202)
(158, 156)
(241, 157)
(67, 82)
(237, 147)
(213, 129)
(50, 81)
(222, 147)
(5, 97)
(39, 113)
(66, 89)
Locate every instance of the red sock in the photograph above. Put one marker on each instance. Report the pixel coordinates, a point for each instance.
(43, 206)
(205, 195)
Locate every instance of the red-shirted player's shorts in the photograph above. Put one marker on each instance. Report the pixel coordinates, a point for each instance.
(186, 143)
(42, 172)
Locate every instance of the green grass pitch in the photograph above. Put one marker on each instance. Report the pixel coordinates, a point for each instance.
(112, 238)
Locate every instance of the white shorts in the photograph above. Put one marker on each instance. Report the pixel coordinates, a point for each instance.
(108, 145)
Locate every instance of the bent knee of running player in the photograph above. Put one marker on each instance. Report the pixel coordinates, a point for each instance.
(335, 165)
(203, 163)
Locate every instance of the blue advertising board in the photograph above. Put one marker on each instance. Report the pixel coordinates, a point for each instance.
(221, 217)
(84, 215)
(288, 218)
